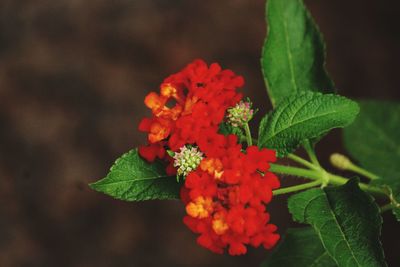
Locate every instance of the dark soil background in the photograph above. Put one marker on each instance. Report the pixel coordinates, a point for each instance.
(73, 75)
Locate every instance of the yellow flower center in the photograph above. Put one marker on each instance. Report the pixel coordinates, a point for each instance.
(213, 167)
(219, 225)
(200, 208)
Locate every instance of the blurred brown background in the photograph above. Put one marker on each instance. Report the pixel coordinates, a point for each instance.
(73, 75)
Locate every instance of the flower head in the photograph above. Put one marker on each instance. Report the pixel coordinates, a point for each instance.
(240, 114)
(226, 189)
(190, 103)
(225, 200)
(187, 160)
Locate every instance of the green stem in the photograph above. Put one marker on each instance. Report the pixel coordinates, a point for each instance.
(344, 163)
(296, 188)
(302, 161)
(339, 180)
(248, 134)
(311, 153)
(295, 171)
(321, 175)
(386, 207)
(363, 172)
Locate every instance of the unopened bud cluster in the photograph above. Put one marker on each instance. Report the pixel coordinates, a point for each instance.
(187, 160)
(240, 114)
(340, 161)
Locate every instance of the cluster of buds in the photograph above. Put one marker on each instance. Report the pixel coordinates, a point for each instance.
(240, 114)
(187, 160)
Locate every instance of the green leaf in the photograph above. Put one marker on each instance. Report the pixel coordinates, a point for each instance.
(374, 140)
(300, 247)
(304, 116)
(346, 219)
(227, 129)
(131, 178)
(293, 56)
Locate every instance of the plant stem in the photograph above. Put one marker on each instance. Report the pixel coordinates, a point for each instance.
(344, 163)
(386, 207)
(339, 180)
(302, 161)
(295, 171)
(320, 175)
(296, 188)
(363, 172)
(248, 134)
(311, 153)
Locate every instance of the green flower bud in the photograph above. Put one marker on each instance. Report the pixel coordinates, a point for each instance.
(187, 160)
(240, 114)
(340, 161)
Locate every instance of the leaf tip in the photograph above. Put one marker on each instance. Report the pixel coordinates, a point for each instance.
(95, 185)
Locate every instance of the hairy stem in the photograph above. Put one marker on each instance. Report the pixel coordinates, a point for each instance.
(296, 188)
(295, 171)
(344, 163)
(302, 161)
(248, 134)
(311, 153)
(363, 172)
(321, 175)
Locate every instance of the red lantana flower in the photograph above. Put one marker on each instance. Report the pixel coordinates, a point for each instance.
(200, 96)
(226, 194)
(226, 199)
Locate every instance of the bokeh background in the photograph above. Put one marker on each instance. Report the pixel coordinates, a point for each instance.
(73, 75)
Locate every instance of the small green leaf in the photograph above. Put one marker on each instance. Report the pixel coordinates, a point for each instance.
(293, 56)
(133, 179)
(374, 140)
(226, 129)
(304, 116)
(300, 247)
(346, 219)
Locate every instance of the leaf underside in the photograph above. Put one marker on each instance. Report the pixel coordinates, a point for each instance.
(374, 140)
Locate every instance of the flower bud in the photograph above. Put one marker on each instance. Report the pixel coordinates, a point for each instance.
(187, 160)
(240, 114)
(340, 161)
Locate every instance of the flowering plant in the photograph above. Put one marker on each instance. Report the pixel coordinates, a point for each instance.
(200, 149)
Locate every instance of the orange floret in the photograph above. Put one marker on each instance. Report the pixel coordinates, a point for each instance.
(158, 131)
(155, 102)
(212, 166)
(200, 208)
(219, 224)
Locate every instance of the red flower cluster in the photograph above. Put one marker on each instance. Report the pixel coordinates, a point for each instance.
(225, 198)
(226, 195)
(190, 106)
